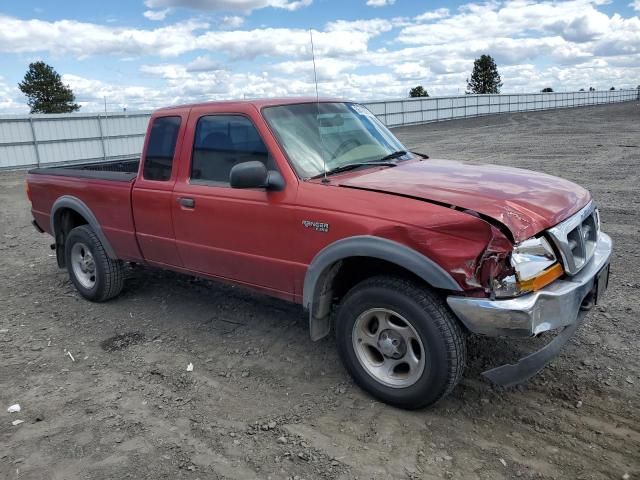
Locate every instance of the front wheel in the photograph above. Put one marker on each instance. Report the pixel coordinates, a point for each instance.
(96, 276)
(400, 342)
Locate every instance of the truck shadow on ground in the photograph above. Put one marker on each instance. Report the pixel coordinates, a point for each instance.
(215, 309)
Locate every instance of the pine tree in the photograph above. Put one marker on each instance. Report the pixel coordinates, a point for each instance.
(418, 91)
(45, 91)
(485, 77)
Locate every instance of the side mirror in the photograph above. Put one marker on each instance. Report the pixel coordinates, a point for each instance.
(254, 174)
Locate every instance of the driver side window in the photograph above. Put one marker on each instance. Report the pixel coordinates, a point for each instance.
(223, 141)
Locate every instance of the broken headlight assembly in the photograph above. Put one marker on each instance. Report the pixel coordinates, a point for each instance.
(533, 265)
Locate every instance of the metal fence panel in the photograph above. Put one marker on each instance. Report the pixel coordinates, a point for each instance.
(18, 156)
(124, 125)
(30, 140)
(73, 128)
(396, 113)
(121, 147)
(71, 151)
(14, 131)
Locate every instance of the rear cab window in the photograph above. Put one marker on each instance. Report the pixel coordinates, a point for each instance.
(159, 158)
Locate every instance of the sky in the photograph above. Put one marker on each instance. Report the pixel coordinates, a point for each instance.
(145, 54)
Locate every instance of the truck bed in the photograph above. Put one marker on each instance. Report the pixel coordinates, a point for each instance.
(103, 187)
(118, 171)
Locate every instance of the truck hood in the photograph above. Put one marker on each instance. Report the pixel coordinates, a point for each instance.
(523, 201)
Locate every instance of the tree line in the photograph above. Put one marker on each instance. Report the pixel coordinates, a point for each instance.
(484, 79)
(46, 93)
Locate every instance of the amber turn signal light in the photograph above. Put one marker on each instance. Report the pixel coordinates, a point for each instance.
(552, 273)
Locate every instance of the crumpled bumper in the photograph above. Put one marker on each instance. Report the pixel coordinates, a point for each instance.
(551, 307)
(555, 306)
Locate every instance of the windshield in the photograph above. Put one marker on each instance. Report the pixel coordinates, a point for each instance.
(332, 134)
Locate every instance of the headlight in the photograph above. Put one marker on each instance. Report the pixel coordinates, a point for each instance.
(534, 265)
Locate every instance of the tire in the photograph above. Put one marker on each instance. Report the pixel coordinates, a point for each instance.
(96, 276)
(412, 315)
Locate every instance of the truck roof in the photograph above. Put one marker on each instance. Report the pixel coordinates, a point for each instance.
(257, 102)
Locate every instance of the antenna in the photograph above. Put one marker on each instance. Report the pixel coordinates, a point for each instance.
(313, 58)
(315, 79)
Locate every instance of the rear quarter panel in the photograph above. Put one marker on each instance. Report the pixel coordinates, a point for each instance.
(110, 202)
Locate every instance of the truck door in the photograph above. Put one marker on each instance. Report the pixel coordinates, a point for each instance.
(152, 191)
(237, 234)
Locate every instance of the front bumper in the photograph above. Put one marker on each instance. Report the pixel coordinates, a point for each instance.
(552, 307)
(556, 306)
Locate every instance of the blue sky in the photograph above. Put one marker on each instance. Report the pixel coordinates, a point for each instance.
(143, 54)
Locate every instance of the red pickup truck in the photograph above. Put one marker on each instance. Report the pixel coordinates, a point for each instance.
(316, 202)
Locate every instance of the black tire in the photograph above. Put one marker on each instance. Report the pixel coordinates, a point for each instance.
(108, 273)
(439, 331)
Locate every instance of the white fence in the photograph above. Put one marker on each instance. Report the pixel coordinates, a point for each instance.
(411, 111)
(33, 140)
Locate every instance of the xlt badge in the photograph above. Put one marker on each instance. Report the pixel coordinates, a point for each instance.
(317, 226)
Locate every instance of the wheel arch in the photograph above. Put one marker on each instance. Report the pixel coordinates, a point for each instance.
(318, 289)
(81, 214)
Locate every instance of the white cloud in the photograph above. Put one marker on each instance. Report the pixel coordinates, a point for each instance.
(565, 44)
(286, 42)
(519, 31)
(380, 3)
(433, 15)
(623, 38)
(91, 93)
(373, 26)
(202, 64)
(336, 78)
(574, 20)
(635, 5)
(327, 68)
(170, 71)
(81, 40)
(10, 99)
(413, 71)
(229, 5)
(584, 28)
(232, 21)
(156, 15)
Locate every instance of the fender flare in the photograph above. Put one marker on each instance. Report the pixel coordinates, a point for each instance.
(81, 208)
(317, 302)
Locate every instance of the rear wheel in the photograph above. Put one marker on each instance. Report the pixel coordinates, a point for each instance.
(400, 342)
(96, 276)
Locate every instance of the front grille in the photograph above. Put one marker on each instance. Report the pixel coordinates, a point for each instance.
(576, 238)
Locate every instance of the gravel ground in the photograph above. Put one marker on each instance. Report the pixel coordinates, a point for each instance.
(263, 401)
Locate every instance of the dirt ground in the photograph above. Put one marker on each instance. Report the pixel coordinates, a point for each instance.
(263, 401)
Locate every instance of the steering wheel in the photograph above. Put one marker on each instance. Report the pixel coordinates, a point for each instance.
(345, 146)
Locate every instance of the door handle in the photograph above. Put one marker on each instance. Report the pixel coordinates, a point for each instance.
(187, 202)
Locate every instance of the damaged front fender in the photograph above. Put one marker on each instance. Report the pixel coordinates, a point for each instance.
(475, 251)
(494, 261)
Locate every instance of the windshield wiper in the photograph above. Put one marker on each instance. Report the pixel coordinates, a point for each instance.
(393, 155)
(351, 166)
